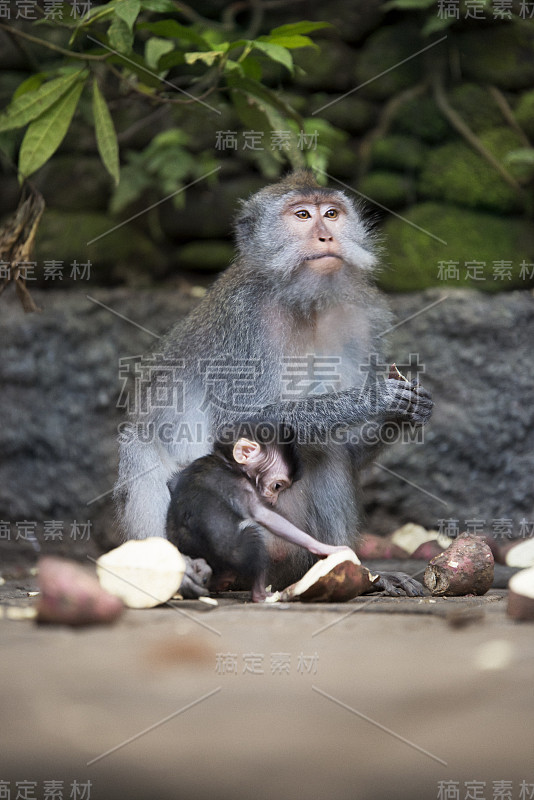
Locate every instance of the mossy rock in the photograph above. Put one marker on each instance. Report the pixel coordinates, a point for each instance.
(457, 174)
(403, 153)
(353, 114)
(524, 113)
(205, 256)
(125, 254)
(476, 106)
(209, 210)
(502, 55)
(413, 252)
(421, 117)
(88, 187)
(390, 189)
(385, 49)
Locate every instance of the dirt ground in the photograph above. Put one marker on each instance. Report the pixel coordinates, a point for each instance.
(376, 698)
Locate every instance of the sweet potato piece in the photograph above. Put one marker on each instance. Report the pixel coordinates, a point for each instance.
(521, 595)
(466, 567)
(71, 595)
(334, 579)
(372, 546)
(427, 550)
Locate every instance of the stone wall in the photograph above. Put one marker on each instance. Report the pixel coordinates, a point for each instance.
(60, 377)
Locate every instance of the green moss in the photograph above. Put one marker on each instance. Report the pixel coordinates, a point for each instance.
(414, 252)
(403, 153)
(388, 47)
(206, 256)
(457, 174)
(524, 113)
(387, 188)
(122, 254)
(476, 106)
(422, 118)
(502, 55)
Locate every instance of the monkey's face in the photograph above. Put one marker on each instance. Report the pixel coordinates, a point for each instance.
(319, 227)
(264, 464)
(272, 482)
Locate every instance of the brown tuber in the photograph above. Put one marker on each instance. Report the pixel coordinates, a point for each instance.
(334, 579)
(372, 546)
(396, 374)
(466, 567)
(70, 595)
(521, 595)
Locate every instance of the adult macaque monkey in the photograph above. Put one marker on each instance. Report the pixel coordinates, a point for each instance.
(219, 508)
(291, 332)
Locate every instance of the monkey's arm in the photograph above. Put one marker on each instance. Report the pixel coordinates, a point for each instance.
(391, 401)
(286, 530)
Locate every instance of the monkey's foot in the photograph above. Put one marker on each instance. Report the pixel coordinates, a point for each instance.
(397, 584)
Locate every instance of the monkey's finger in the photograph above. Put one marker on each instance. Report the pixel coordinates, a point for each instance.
(396, 584)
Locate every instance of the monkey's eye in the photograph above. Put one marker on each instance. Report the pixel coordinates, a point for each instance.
(332, 213)
(303, 214)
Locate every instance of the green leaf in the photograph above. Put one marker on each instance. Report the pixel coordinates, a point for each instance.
(160, 6)
(154, 49)
(31, 105)
(120, 37)
(434, 24)
(106, 138)
(171, 29)
(266, 96)
(171, 59)
(276, 53)
(407, 4)
(296, 28)
(30, 84)
(523, 156)
(46, 133)
(252, 68)
(128, 11)
(208, 58)
(135, 64)
(290, 42)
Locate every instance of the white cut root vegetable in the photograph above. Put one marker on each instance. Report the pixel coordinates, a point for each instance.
(143, 573)
(334, 579)
(521, 595)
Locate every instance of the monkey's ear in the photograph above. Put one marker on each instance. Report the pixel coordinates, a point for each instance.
(246, 451)
(244, 225)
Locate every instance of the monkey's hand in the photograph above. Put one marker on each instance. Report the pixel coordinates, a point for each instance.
(197, 578)
(407, 402)
(396, 584)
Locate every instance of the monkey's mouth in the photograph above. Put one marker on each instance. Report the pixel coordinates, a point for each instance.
(325, 262)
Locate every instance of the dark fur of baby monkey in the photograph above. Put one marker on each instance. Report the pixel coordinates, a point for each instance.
(220, 507)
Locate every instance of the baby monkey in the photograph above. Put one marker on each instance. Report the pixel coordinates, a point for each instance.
(219, 507)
